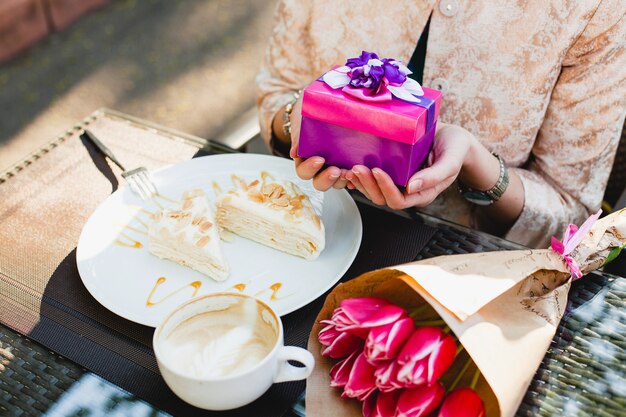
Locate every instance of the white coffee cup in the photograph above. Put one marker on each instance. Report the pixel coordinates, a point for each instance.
(224, 350)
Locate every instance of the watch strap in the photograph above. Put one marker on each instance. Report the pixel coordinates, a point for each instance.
(493, 194)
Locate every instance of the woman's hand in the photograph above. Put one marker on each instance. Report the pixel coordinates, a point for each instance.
(311, 168)
(452, 149)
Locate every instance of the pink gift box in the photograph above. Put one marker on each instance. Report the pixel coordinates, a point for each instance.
(395, 136)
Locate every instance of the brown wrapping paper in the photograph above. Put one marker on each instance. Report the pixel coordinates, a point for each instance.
(504, 307)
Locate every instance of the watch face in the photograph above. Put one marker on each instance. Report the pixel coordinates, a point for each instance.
(477, 197)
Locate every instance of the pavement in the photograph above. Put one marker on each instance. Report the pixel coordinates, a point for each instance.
(185, 64)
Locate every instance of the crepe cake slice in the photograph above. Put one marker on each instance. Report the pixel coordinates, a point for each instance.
(189, 236)
(274, 213)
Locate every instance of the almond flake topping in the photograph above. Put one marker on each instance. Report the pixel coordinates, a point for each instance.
(203, 241)
(205, 226)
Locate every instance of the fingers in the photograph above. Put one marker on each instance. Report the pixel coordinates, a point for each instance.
(368, 185)
(446, 166)
(326, 179)
(308, 168)
(394, 198)
(426, 196)
(343, 181)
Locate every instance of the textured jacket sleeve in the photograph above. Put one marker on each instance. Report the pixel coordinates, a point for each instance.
(286, 67)
(571, 159)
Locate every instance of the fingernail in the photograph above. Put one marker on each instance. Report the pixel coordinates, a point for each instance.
(414, 186)
(333, 176)
(376, 171)
(356, 171)
(318, 163)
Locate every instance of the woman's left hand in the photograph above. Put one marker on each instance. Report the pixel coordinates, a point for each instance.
(451, 149)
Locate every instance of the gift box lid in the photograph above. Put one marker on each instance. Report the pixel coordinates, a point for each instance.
(395, 119)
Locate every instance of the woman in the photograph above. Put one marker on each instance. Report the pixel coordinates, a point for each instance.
(537, 85)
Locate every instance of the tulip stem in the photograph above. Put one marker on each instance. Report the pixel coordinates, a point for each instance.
(430, 323)
(460, 375)
(419, 310)
(459, 350)
(475, 378)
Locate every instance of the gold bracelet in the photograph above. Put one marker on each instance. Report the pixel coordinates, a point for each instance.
(287, 114)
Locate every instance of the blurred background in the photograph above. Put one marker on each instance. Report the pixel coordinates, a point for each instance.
(185, 64)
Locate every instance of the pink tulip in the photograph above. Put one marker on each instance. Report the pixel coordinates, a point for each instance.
(386, 377)
(340, 373)
(462, 402)
(384, 342)
(369, 403)
(357, 314)
(361, 381)
(386, 404)
(343, 345)
(420, 401)
(427, 354)
(328, 334)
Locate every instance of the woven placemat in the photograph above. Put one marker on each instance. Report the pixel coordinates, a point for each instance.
(45, 203)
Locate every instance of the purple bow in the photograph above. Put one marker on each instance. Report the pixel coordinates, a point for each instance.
(571, 239)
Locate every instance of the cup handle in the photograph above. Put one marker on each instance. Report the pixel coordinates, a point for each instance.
(288, 372)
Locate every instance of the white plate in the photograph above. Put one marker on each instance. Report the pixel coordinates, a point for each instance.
(124, 278)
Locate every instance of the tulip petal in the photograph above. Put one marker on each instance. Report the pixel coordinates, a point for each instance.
(385, 342)
(370, 312)
(328, 334)
(340, 373)
(427, 354)
(386, 377)
(462, 402)
(343, 345)
(441, 358)
(420, 401)
(386, 404)
(369, 404)
(361, 381)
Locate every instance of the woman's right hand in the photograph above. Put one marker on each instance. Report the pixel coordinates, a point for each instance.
(313, 168)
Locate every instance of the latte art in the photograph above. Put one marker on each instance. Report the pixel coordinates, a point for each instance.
(234, 336)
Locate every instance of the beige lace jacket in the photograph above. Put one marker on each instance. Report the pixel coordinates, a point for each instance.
(540, 82)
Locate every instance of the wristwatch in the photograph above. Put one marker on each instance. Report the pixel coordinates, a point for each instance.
(287, 113)
(485, 198)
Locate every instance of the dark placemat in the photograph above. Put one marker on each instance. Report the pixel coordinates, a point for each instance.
(44, 203)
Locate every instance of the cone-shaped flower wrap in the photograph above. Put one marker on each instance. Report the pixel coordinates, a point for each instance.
(462, 402)
(483, 323)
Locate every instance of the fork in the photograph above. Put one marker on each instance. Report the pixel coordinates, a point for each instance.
(138, 179)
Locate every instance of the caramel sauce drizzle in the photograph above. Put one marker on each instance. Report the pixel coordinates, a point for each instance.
(128, 242)
(149, 303)
(239, 287)
(274, 288)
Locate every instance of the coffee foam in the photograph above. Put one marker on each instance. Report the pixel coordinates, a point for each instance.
(234, 336)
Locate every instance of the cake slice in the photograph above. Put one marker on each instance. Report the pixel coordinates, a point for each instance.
(274, 213)
(189, 236)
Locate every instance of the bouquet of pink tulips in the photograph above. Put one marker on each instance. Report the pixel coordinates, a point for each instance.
(452, 336)
(391, 365)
